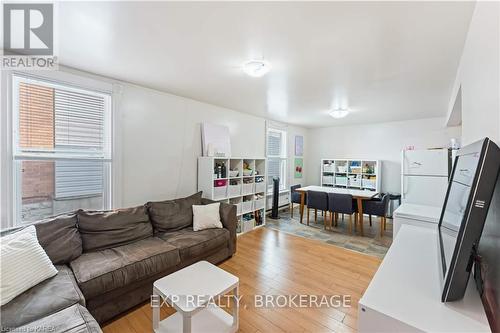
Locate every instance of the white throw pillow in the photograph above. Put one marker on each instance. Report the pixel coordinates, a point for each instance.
(206, 217)
(31, 230)
(23, 264)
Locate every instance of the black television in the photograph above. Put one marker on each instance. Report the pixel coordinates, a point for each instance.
(487, 263)
(465, 209)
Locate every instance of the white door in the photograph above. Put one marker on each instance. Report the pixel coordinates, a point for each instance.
(425, 162)
(424, 190)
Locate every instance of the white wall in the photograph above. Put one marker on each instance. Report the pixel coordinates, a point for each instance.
(383, 141)
(479, 78)
(161, 140)
(479, 75)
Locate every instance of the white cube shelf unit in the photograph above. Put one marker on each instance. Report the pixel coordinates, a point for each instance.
(242, 184)
(351, 173)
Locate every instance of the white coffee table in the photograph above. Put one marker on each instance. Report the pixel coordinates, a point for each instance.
(183, 290)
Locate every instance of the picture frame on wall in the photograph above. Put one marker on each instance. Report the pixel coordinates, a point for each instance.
(299, 145)
(298, 166)
(215, 140)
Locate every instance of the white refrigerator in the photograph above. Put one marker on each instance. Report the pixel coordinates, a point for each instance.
(424, 176)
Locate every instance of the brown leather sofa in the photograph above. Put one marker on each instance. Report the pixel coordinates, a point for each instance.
(108, 261)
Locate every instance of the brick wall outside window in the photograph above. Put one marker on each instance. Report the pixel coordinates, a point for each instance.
(36, 130)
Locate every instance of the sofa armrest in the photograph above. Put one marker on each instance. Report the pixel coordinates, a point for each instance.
(229, 220)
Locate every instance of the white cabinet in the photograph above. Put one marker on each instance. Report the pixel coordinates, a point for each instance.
(239, 181)
(351, 173)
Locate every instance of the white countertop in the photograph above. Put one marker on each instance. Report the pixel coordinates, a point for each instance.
(419, 212)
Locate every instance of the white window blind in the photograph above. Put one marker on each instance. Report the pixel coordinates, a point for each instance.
(79, 120)
(276, 157)
(274, 143)
(274, 167)
(79, 125)
(78, 179)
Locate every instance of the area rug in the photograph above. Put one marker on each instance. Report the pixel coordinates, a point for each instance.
(371, 243)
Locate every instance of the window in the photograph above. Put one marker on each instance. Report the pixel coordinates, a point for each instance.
(276, 157)
(61, 148)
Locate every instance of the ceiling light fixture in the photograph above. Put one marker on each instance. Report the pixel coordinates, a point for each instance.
(256, 68)
(339, 113)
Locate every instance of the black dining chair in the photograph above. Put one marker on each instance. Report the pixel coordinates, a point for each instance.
(343, 204)
(376, 198)
(377, 207)
(317, 200)
(295, 197)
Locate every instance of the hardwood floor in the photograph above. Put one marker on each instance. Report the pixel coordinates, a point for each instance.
(276, 263)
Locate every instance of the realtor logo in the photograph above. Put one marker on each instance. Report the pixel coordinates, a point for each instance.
(28, 37)
(28, 29)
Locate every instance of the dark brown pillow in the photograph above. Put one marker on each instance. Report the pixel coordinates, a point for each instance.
(106, 229)
(172, 215)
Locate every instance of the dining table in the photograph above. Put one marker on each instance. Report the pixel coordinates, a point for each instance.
(359, 195)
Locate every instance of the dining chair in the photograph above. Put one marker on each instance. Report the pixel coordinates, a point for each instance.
(317, 200)
(343, 204)
(377, 207)
(376, 198)
(295, 197)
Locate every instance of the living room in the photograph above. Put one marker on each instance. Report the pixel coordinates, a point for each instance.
(250, 166)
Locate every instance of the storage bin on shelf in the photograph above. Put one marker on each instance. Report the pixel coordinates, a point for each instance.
(234, 190)
(369, 183)
(247, 206)
(340, 180)
(328, 167)
(247, 225)
(259, 204)
(220, 188)
(238, 208)
(329, 179)
(247, 188)
(260, 187)
(354, 181)
(342, 168)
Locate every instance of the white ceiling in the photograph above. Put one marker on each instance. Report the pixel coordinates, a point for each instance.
(386, 61)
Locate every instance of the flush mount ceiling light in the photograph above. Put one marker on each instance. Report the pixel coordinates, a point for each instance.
(339, 113)
(256, 68)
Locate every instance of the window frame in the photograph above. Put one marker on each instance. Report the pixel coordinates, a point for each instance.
(283, 157)
(18, 154)
(61, 154)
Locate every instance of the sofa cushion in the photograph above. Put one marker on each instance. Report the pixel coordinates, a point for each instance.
(102, 271)
(193, 244)
(46, 298)
(74, 319)
(106, 229)
(171, 215)
(58, 236)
